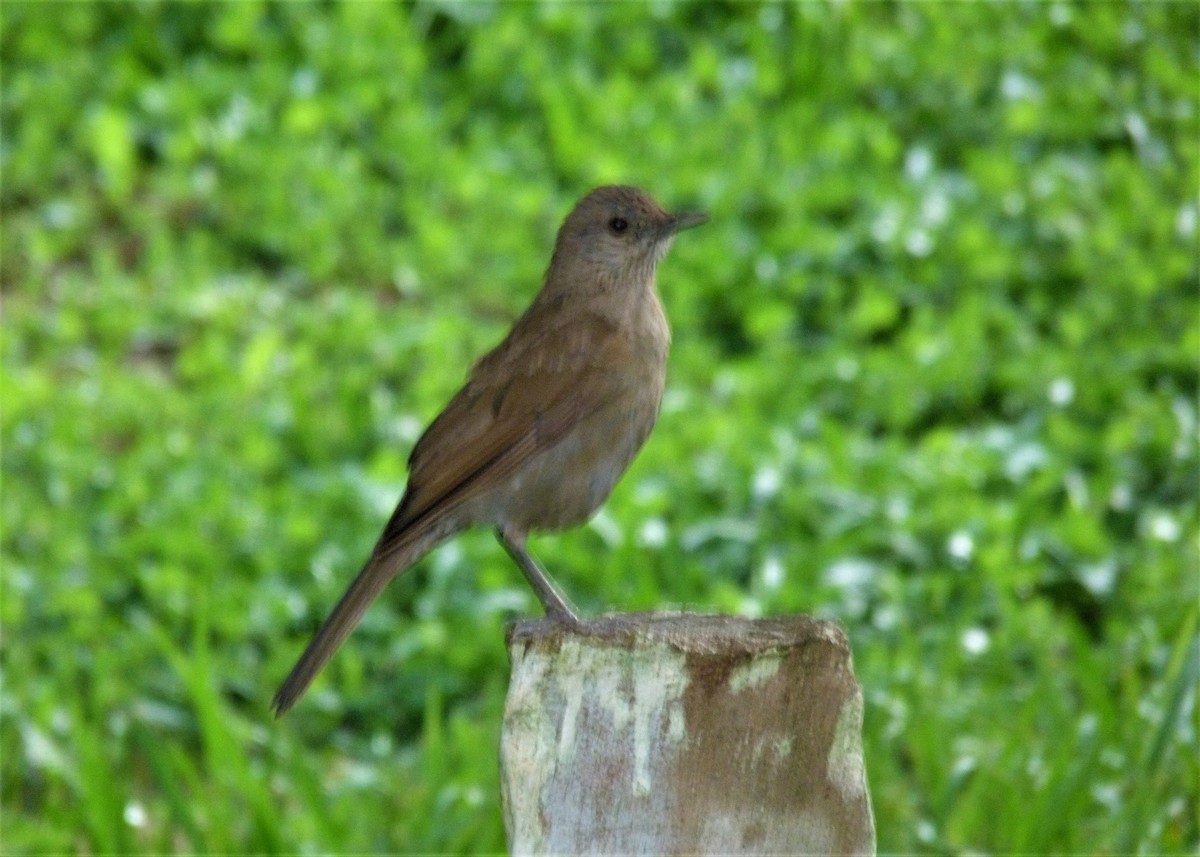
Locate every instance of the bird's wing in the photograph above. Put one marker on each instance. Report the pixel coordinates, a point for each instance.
(519, 400)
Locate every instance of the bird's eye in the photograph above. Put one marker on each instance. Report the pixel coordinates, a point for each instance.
(618, 224)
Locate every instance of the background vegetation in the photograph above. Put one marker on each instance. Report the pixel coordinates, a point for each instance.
(935, 376)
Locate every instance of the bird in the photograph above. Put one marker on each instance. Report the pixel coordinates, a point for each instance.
(547, 421)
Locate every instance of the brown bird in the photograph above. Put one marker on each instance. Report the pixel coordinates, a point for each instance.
(547, 421)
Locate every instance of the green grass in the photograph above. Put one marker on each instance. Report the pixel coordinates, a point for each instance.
(934, 376)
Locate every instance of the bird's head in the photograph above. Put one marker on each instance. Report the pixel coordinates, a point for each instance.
(619, 232)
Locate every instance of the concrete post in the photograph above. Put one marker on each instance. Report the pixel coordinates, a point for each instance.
(682, 733)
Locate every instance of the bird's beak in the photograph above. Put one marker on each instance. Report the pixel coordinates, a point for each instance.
(687, 219)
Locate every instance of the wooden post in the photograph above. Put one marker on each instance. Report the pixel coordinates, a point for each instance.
(680, 733)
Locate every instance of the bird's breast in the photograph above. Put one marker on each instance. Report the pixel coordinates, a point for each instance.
(571, 479)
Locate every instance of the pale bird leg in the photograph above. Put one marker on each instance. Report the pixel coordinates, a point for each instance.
(555, 604)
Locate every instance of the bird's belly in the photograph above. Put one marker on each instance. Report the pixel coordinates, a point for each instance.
(566, 483)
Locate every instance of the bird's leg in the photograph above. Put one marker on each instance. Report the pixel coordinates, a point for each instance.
(555, 604)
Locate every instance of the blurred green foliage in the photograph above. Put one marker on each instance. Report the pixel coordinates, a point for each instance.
(935, 376)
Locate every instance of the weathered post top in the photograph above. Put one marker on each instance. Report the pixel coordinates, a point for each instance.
(668, 733)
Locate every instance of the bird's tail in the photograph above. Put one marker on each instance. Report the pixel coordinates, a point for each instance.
(391, 557)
